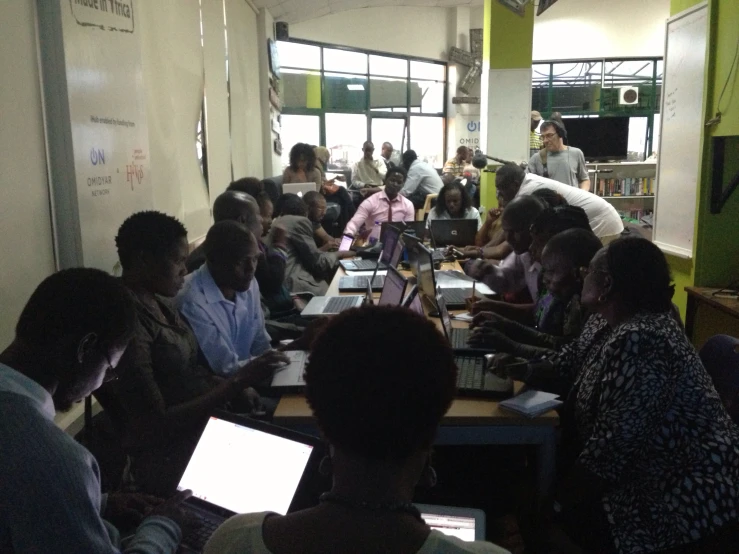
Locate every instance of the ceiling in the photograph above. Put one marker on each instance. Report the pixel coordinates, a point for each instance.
(296, 11)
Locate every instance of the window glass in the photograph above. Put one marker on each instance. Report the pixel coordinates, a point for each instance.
(345, 134)
(389, 67)
(344, 60)
(303, 56)
(298, 128)
(427, 139)
(430, 71)
(388, 93)
(429, 95)
(345, 92)
(301, 89)
(390, 130)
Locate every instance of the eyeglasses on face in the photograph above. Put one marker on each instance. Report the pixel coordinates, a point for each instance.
(549, 135)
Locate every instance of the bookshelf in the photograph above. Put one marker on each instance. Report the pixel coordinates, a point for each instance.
(629, 186)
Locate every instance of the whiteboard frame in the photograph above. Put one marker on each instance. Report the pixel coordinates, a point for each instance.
(669, 248)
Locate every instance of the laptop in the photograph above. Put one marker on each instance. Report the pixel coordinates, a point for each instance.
(455, 297)
(346, 243)
(357, 283)
(394, 289)
(289, 379)
(298, 188)
(453, 232)
(472, 378)
(242, 466)
(388, 249)
(467, 524)
(457, 337)
(415, 228)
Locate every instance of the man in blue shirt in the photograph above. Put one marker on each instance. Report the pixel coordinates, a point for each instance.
(221, 300)
(69, 339)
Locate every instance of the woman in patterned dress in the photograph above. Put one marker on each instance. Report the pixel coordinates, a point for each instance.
(655, 456)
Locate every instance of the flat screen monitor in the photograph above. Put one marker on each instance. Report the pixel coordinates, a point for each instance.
(599, 138)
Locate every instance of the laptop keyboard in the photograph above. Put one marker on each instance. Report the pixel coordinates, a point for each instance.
(471, 372)
(456, 297)
(199, 532)
(339, 304)
(366, 265)
(438, 255)
(360, 283)
(459, 338)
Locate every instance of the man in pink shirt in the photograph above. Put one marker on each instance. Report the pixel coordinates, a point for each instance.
(386, 205)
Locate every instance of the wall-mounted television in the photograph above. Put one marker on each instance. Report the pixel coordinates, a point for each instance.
(600, 138)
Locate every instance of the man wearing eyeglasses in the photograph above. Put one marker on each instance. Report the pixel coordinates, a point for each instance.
(559, 161)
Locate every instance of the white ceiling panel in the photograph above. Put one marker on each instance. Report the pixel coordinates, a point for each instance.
(296, 11)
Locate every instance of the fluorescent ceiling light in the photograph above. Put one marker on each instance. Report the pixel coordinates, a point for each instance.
(355, 87)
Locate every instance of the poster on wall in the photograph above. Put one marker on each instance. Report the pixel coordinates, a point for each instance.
(467, 131)
(91, 56)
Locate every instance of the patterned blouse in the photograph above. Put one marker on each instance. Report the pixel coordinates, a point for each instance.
(651, 424)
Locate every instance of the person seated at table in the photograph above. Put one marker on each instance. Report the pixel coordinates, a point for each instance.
(654, 455)
(422, 180)
(307, 268)
(266, 210)
(378, 404)
(558, 314)
(455, 166)
(333, 191)
(231, 205)
(316, 203)
(518, 271)
(453, 202)
(165, 395)
(387, 205)
(368, 174)
(69, 339)
(248, 185)
(221, 300)
(302, 167)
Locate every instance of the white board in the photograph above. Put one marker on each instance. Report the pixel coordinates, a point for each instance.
(96, 123)
(506, 114)
(680, 147)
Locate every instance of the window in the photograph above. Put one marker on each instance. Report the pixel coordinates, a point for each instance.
(341, 97)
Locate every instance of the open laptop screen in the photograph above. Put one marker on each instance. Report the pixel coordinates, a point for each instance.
(388, 247)
(457, 526)
(346, 243)
(426, 277)
(244, 469)
(446, 320)
(393, 289)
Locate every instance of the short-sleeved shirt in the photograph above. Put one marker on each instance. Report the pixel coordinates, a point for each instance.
(566, 166)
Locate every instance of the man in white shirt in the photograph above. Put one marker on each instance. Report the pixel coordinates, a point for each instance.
(368, 173)
(559, 161)
(422, 179)
(512, 181)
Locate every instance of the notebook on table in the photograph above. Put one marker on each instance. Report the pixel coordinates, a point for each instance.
(467, 524)
(532, 403)
(242, 466)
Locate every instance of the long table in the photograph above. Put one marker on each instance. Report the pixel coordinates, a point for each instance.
(468, 421)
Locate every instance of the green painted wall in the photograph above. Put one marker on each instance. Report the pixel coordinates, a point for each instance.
(511, 37)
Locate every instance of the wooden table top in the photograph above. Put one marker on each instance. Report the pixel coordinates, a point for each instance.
(294, 409)
(705, 294)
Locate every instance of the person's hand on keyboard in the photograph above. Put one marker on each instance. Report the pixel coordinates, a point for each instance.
(507, 366)
(261, 368)
(173, 509)
(488, 337)
(483, 305)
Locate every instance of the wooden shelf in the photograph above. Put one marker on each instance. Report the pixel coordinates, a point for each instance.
(632, 196)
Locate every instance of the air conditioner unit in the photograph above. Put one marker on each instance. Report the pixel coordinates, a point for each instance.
(628, 96)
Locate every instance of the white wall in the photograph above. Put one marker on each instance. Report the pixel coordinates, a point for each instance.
(601, 29)
(265, 31)
(246, 119)
(411, 31)
(26, 247)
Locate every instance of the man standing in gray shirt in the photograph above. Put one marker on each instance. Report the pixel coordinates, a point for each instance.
(558, 161)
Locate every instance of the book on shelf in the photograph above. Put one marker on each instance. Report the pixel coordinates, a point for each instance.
(628, 186)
